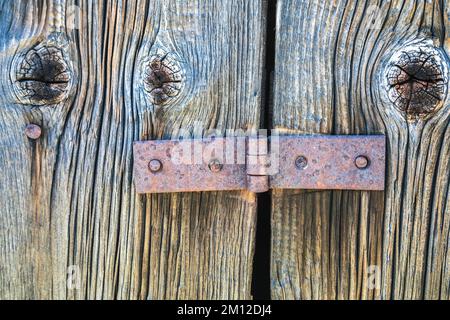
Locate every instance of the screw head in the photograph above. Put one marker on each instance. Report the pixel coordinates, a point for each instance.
(361, 162)
(155, 165)
(215, 166)
(33, 131)
(301, 162)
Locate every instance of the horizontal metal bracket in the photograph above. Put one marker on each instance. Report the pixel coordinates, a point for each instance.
(257, 164)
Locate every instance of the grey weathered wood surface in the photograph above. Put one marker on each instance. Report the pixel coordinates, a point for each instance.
(67, 203)
(330, 65)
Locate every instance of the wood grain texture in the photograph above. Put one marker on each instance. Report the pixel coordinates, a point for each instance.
(69, 213)
(330, 73)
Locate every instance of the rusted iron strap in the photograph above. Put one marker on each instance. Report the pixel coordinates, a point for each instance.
(292, 162)
(330, 162)
(186, 165)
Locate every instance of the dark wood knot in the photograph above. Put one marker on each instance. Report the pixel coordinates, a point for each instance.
(162, 79)
(43, 76)
(417, 85)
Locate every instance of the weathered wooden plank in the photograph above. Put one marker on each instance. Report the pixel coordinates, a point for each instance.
(103, 74)
(339, 71)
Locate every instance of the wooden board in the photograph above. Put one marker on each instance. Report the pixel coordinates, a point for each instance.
(333, 60)
(96, 76)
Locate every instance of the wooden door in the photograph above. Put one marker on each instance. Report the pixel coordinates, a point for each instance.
(96, 76)
(366, 67)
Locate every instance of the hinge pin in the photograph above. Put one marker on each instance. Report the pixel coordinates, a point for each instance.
(258, 164)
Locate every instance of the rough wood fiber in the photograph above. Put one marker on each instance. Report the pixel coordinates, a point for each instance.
(330, 74)
(71, 224)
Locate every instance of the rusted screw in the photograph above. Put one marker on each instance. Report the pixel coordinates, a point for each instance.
(361, 162)
(301, 162)
(155, 165)
(215, 166)
(33, 131)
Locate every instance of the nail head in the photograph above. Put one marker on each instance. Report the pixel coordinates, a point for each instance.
(361, 162)
(155, 165)
(33, 131)
(301, 162)
(215, 166)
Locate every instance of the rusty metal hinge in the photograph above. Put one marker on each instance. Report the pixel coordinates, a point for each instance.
(258, 164)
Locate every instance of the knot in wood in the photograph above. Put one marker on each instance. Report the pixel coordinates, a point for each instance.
(417, 85)
(43, 76)
(162, 79)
